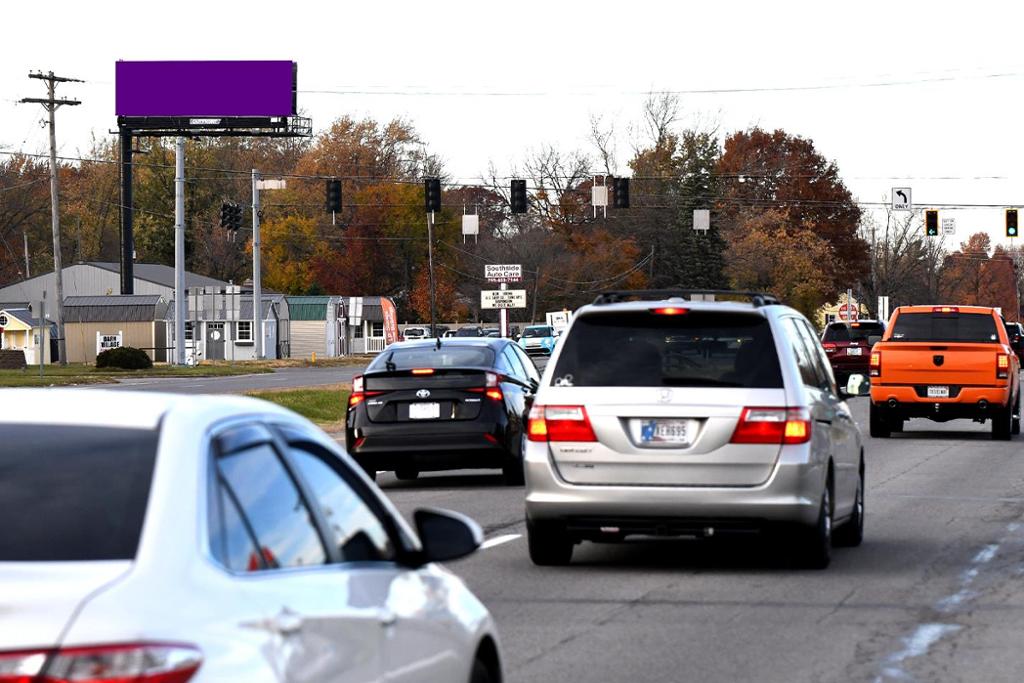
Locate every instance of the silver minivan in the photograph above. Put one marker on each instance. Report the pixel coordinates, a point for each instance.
(664, 415)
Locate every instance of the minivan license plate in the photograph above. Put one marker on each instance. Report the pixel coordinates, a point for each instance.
(938, 392)
(424, 411)
(664, 432)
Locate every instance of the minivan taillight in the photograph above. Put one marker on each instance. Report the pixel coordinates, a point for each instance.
(773, 426)
(559, 423)
(1002, 366)
(135, 662)
(876, 364)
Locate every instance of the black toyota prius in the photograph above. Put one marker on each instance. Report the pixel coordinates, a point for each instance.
(442, 404)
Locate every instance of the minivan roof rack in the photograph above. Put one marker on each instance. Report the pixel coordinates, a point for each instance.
(758, 299)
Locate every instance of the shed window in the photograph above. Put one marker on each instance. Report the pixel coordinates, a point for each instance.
(244, 330)
(377, 329)
(188, 331)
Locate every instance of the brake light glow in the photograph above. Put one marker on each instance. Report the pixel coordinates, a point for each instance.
(357, 396)
(670, 310)
(494, 394)
(946, 309)
(773, 426)
(559, 423)
(876, 364)
(829, 347)
(423, 371)
(135, 662)
(1002, 366)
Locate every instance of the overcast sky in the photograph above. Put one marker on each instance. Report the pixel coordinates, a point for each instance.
(898, 94)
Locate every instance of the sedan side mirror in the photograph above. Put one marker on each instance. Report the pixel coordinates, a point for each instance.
(856, 385)
(445, 535)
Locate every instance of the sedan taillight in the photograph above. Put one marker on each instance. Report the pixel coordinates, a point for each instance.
(773, 426)
(134, 662)
(559, 423)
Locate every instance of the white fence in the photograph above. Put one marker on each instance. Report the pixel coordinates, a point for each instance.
(375, 344)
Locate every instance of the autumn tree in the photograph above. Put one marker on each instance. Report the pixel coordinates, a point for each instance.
(768, 255)
(761, 170)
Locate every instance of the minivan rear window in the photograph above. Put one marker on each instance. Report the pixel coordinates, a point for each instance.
(846, 332)
(73, 493)
(697, 349)
(945, 327)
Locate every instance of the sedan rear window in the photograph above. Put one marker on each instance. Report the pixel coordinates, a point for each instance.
(945, 327)
(698, 349)
(430, 356)
(846, 332)
(72, 493)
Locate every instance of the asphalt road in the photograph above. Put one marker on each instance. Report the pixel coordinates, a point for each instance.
(934, 594)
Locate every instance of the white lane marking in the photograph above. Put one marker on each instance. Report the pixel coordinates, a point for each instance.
(498, 540)
(917, 644)
(986, 554)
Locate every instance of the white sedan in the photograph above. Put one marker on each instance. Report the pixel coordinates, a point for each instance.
(165, 538)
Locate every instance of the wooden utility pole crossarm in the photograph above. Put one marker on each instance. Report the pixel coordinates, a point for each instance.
(51, 104)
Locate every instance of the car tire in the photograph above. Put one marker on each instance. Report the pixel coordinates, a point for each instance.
(1002, 424)
(481, 673)
(879, 427)
(815, 551)
(370, 472)
(512, 473)
(1015, 425)
(851, 533)
(549, 545)
(896, 424)
(407, 474)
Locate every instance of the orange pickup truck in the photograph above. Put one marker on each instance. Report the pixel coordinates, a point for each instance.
(945, 363)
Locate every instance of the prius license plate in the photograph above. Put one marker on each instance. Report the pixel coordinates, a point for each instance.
(854, 351)
(665, 432)
(938, 392)
(424, 411)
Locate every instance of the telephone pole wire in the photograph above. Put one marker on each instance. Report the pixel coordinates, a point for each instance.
(50, 104)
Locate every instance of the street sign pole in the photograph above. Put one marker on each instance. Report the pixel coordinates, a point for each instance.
(430, 269)
(503, 315)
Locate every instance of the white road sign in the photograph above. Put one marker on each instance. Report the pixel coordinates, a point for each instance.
(901, 200)
(948, 226)
(271, 184)
(503, 272)
(701, 219)
(503, 298)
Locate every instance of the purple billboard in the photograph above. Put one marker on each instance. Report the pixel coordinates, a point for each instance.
(195, 89)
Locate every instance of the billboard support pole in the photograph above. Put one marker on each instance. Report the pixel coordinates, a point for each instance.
(503, 315)
(257, 290)
(127, 239)
(179, 251)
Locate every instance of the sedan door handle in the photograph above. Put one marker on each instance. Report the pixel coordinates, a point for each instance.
(287, 622)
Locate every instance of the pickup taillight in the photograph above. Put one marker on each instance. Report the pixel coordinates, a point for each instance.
(1002, 365)
(876, 364)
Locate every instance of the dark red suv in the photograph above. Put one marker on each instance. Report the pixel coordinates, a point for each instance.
(848, 345)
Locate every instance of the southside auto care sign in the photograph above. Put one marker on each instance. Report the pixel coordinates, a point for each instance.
(503, 272)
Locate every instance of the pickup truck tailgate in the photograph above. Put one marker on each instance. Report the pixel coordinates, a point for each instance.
(919, 363)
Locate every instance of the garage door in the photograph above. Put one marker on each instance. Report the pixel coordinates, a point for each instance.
(308, 337)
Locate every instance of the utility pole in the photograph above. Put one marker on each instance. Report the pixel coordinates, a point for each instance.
(257, 289)
(180, 304)
(430, 268)
(50, 104)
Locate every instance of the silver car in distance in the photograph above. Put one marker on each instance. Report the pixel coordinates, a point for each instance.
(664, 413)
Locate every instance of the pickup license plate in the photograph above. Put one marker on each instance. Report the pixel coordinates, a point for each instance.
(665, 432)
(854, 351)
(938, 392)
(424, 411)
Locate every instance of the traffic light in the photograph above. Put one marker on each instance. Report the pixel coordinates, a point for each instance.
(333, 195)
(432, 192)
(236, 217)
(518, 196)
(225, 215)
(1011, 223)
(621, 200)
(931, 223)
